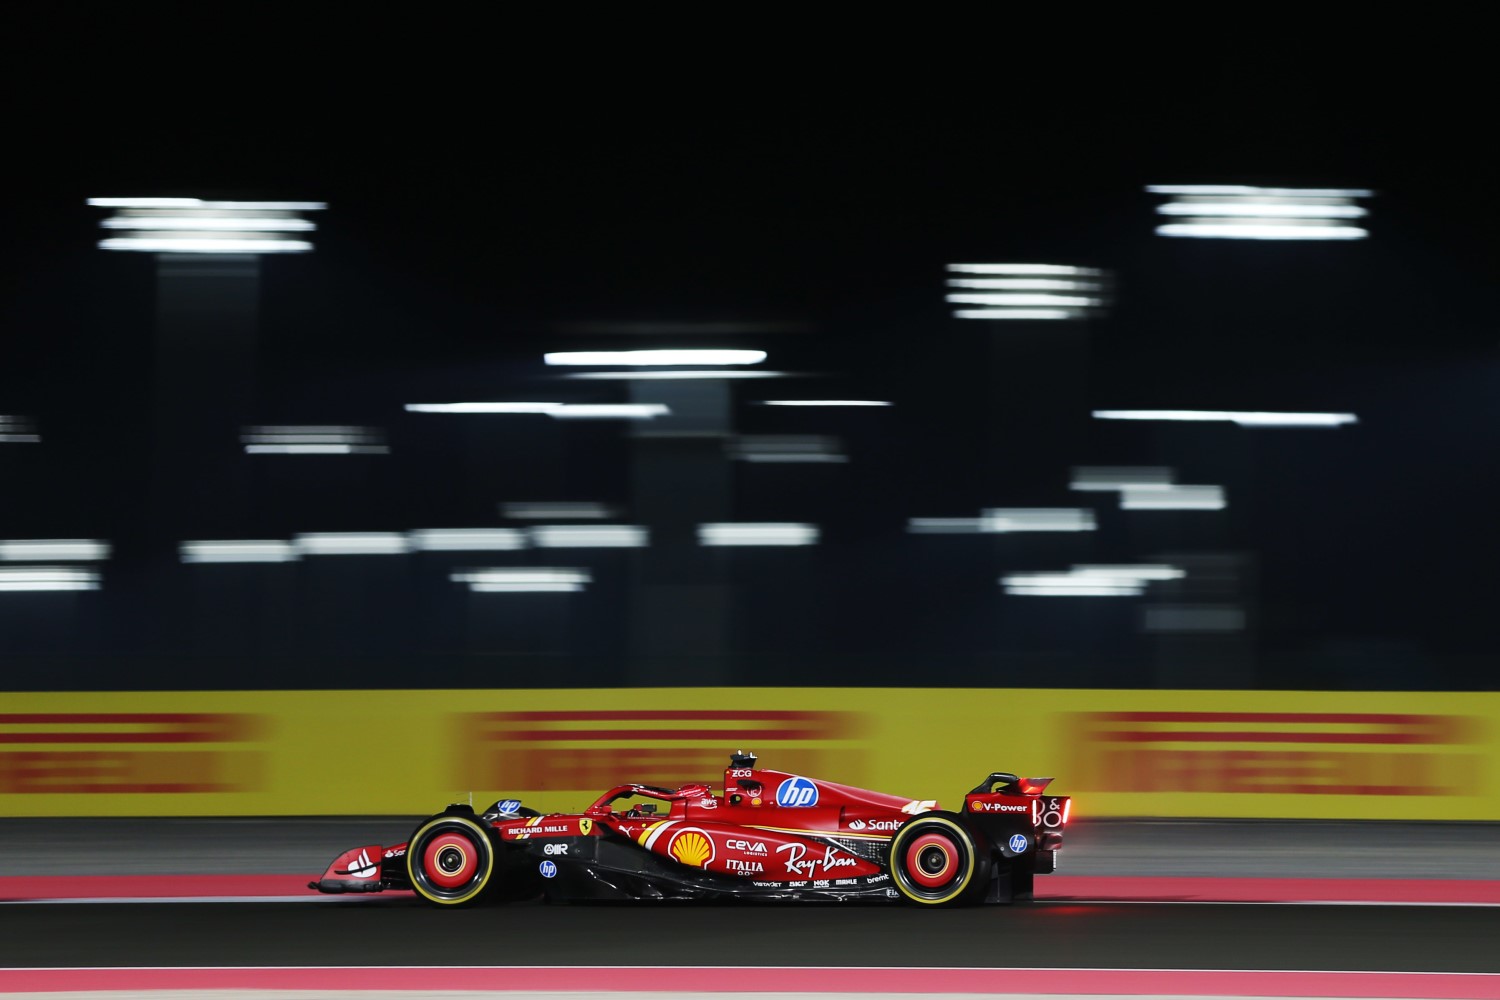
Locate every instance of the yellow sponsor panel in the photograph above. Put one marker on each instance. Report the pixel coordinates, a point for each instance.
(1314, 755)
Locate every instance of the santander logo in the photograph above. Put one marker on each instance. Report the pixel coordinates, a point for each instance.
(875, 825)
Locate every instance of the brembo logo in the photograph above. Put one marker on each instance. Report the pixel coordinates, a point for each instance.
(131, 752)
(1300, 753)
(589, 750)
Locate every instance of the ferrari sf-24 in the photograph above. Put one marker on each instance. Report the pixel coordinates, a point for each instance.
(770, 835)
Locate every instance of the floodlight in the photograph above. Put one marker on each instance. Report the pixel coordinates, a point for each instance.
(352, 543)
(1026, 291)
(193, 225)
(302, 439)
(1245, 418)
(746, 533)
(655, 358)
(53, 549)
(41, 578)
(1243, 212)
(18, 430)
(238, 551)
(824, 402)
(523, 580)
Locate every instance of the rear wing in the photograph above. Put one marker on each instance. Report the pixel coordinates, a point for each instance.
(1010, 784)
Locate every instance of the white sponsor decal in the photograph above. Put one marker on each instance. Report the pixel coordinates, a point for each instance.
(796, 792)
(798, 863)
(748, 846)
(820, 883)
(555, 849)
(362, 866)
(743, 867)
(396, 852)
(878, 825)
(521, 832)
(740, 772)
(709, 802)
(878, 878)
(1000, 807)
(919, 806)
(846, 881)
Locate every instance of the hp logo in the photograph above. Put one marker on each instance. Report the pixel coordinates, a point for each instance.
(1018, 843)
(797, 792)
(548, 869)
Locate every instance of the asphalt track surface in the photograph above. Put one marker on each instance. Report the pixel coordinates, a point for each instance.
(1209, 848)
(402, 931)
(398, 930)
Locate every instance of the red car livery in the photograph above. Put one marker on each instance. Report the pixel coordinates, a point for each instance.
(767, 835)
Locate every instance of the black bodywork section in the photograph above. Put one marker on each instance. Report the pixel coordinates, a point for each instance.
(610, 867)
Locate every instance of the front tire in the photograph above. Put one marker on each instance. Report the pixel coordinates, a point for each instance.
(935, 861)
(450, 860)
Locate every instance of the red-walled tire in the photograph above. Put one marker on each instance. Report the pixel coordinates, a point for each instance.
(935, 861)
(450, 860)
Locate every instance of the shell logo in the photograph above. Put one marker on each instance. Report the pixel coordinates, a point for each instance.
(692, 848)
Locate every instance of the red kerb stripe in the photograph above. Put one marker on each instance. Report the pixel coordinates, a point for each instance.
(709, 980)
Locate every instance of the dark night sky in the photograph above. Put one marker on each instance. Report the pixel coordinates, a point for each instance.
(483, 192)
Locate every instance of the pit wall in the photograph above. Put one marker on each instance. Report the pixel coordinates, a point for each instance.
(1298, 755)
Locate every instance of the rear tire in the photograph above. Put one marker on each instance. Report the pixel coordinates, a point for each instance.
(450, 860)
(935, 861)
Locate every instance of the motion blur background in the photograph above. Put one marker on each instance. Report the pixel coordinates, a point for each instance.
(477, 223)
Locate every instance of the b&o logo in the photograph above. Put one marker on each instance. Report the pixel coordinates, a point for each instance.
(797, 792)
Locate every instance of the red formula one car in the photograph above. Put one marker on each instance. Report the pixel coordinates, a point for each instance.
(771, 835)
